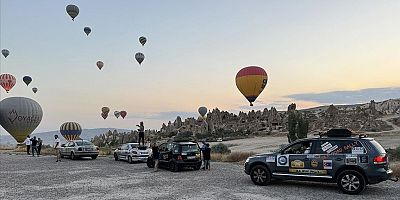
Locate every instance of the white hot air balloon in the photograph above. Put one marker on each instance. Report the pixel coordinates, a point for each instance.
(20, 116)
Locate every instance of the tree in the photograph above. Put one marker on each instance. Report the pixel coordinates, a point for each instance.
(297, 126)
(292, 124)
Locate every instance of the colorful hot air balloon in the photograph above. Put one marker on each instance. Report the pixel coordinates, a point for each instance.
(34, 90)
(27, 80)
(251, 81)
(72, 11)
(20, 116)
(139, 57)
(202, 111)
(123, 114)
(87, 30)
(5, 53)
(70, 130)
(105, 110)
(7, 81)
(100, 64)
(104, 115)
(117, 114)
(142, 40)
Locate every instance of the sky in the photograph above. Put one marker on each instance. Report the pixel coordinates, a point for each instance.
(315, 53)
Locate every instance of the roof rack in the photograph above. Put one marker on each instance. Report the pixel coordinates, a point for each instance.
(339, 132)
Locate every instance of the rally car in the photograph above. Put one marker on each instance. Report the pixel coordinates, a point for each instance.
(132, 152)
(351, 162)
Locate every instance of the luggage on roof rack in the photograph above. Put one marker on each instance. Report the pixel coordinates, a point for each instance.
(339, 132)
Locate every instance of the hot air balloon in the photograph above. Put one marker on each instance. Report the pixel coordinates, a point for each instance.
(27, 80)
(72, 11)
(142, 40)
(87, 30)
(117, 114)
(104, 115)
(202, 111)
(34, 90)
(100, 64)
(5, 53)
(7, 81)
(139, 57)
(251, 81)
(70, 130)
(105, 110)
(123, 114)
(20, 116)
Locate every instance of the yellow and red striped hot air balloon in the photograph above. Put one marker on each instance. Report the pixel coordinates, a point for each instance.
(251, 81)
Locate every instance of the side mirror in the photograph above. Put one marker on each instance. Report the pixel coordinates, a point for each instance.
(63, 145)
(119, 148)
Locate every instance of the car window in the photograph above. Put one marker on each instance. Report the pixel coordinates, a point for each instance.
(378, 147)
(169, 146)
(134, 146)
(190, 148)
(175, 148)
(70, 144)
(124, 147)
(83, 143)
(339, 147)
(299, 148)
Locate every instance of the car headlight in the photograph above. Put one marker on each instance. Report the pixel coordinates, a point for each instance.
(134, 152)
(248, 159)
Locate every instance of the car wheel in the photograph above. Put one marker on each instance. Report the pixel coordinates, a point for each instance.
(94, 157)
(116, 157)
(150, 163)
(173, 167)
(351, 182)
(260, 175)
(73, 157)
(130, 161)
(61, 156)
(197, 167)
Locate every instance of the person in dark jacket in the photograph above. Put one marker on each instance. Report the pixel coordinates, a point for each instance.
(206, 156)
(141, 132)
(156, 155)
(39, 148)
(34, 146)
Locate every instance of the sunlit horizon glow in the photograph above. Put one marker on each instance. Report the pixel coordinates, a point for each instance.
(193, 52)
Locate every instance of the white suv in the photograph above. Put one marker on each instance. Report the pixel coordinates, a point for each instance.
(132, 152)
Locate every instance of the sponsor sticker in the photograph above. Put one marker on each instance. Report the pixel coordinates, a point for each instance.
(283, 161)
(270, 159)
(363, 159)
(314, 163)
(297, 164)
(327, 164)
(308, 171)
(357, 150)
(351, 161)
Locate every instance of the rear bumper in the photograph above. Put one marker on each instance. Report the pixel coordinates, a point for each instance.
(188, 163)
(382, 176)
(86, 153)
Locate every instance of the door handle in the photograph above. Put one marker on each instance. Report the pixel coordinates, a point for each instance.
(339, 159)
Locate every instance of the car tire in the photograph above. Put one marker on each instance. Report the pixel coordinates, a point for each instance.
(173, 167)
(61, 156)
(197, 167)
(94, 157)
(150, 163)
(130, 161)
(260, 175)
(116, 157)
(73, 157)
(351, 182)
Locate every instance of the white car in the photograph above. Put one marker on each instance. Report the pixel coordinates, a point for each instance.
(132, 152)
(79, 148)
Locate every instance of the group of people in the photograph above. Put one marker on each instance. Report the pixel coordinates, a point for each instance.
(33, 145)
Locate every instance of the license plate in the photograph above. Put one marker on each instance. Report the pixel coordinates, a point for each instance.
(191, 157)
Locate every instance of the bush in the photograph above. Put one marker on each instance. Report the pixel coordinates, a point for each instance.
(394, 154)
(232, 157)
(220, 148)
(396, 170)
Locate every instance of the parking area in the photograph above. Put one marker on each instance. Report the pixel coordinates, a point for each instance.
(26, 177)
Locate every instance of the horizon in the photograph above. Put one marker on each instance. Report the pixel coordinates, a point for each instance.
(193, 53)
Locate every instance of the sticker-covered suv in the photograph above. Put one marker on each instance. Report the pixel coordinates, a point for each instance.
(351, 162)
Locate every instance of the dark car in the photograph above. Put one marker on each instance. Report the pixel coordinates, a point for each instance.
(79, 148)
(177, 155)
(351, 162)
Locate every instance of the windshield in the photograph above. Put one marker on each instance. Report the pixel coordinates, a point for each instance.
(134, 146)
(378, 147)
(83, 143)
(190, 148)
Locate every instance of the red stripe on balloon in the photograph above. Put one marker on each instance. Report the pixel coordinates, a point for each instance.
(251, 70)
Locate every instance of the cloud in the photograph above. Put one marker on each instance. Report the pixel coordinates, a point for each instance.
(349, 97)
(165, 116)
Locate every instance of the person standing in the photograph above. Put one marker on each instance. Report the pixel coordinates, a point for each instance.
(34, 146)
(141, 132)
(156, 155)
(28, 144)
(40, 142)
(57, 147)
(207, 156)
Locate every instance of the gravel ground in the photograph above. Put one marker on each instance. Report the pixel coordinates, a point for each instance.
(25, 177)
